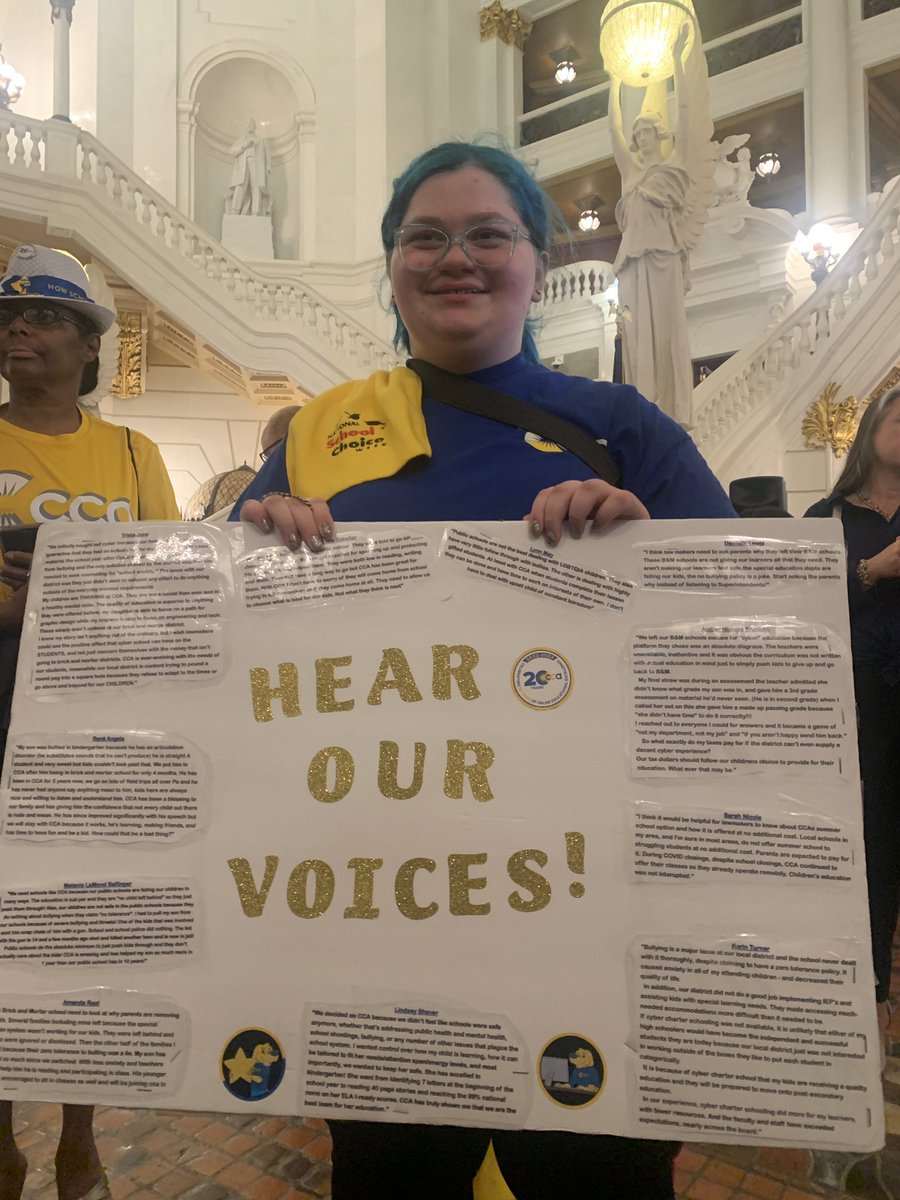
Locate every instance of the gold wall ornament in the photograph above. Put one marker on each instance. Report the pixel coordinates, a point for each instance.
(505, 24)
(130, 378)
(831, 422)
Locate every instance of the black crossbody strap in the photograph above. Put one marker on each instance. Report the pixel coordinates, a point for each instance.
(460, 392)
(137, 478)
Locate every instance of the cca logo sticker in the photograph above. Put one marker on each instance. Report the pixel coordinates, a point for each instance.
(252, 1064)
(542, 678)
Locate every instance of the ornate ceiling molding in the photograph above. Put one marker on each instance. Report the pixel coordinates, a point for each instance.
(890, 381)
(505, 24)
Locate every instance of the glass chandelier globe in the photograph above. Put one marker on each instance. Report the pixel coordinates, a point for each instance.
(637, 38)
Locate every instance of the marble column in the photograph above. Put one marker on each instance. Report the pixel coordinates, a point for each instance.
(184, 177)
(61, 19)
(829, 154)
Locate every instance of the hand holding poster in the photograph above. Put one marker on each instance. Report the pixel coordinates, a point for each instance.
(442, 826)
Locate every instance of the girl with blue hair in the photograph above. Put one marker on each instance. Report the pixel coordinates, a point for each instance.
(466, 238)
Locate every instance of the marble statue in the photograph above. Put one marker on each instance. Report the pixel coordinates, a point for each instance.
(667, 188)
(247, 192)
(734, 177)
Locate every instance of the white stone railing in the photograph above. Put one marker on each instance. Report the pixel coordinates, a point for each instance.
(754, 376)
(65, 153)
(579, 281)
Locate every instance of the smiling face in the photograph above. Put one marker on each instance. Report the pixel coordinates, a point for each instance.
(459, 316)
(45, 356)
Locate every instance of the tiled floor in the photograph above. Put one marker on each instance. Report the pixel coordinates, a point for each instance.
(155, 1155)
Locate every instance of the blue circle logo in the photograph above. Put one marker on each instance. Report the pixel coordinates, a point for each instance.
(252, 1065)
(542, 678)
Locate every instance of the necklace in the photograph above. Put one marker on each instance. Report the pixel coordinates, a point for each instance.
(871, 504)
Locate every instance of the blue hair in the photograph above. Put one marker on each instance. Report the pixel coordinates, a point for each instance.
(525, 193)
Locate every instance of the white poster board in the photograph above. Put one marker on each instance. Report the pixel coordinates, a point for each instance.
(442, 826)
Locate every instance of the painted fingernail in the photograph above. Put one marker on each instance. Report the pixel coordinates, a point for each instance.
(266, 525)
(550, 538)
(574, 531)
(328, 533)
(316, 542)
(294, 541)
(536, 528)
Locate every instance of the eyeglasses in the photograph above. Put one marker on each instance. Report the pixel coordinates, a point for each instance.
(488, 244)
(38, 314)
(264, 453)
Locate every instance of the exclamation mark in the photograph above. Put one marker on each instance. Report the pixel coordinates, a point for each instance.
(575, 856)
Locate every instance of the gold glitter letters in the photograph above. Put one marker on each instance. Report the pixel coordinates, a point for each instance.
(297, 888)
(388, 769)
(533, 892)
(449, 664)
(444, 670)
(317, 775)
(288, 691)
(476, 772)
(327, 684)
(363, 888)
(526, 878)
(253, 900)
(403, 889)
(461, 884)
(393, 660)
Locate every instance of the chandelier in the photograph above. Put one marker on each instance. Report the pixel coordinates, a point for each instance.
(565, 63)
(821, 247)
(637, 38)
(588, 208)
(769, 164)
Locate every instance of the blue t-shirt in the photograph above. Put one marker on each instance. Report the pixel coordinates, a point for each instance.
(483, 470)
(584, 1077)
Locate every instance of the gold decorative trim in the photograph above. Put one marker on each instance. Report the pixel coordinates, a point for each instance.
(130, 379)
(831, 422)
(890, 381)
(505, 24)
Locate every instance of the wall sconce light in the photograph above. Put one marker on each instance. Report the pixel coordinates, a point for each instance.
(589, 212)
(769, 165)
(12, 84)
(565, 63)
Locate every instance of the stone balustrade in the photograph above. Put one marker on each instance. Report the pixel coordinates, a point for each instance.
(66, 153)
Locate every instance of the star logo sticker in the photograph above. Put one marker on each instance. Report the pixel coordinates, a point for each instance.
(241, 1067)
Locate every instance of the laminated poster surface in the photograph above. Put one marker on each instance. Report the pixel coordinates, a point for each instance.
(442, 826)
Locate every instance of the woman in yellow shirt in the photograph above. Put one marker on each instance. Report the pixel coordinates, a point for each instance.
(59, 463)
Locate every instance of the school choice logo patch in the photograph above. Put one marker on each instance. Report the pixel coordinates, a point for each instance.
(542, 678)
(356, 432)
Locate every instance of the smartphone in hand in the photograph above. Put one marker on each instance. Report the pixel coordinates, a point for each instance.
(18, 537)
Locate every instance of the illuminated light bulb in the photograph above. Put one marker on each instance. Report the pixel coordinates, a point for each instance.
(637, 38)
(769, 165)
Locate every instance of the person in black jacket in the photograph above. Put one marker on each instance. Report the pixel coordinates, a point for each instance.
(866, 497)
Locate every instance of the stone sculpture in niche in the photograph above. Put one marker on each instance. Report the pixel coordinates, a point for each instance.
(248, 193)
